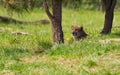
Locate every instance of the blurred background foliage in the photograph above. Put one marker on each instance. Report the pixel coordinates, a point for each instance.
(17, 5)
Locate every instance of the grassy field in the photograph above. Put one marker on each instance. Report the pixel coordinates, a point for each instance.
(98, 55)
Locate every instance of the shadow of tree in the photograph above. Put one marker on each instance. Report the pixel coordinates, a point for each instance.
(116, 34)
(43, 46)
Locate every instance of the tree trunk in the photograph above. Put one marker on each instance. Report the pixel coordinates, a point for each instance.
(56, 19)
(29, 4)
(101, 5)
(109, 15)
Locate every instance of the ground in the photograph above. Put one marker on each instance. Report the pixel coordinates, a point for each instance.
(34, 54)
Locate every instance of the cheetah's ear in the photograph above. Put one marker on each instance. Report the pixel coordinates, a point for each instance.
(81, 28)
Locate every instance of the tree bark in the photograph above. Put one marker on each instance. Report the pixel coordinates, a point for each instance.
(56, 20)
(109, 15)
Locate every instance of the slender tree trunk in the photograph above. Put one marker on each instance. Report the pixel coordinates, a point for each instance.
(56, 19)
(109, 15)
(29, 4)
(101, 5)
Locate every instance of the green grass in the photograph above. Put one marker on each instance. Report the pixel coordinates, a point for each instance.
(98, 55)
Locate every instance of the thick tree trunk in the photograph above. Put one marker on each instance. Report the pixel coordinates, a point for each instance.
(56, 19)
(109, 15)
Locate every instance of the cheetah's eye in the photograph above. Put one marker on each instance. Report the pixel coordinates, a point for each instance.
(76, 29)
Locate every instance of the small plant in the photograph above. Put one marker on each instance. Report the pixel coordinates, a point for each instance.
(90, 63)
